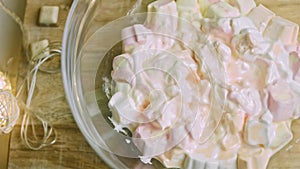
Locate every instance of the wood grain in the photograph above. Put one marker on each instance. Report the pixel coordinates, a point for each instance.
(71, 150)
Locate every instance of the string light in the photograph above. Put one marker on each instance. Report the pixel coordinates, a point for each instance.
(9, 109)
(30, 137)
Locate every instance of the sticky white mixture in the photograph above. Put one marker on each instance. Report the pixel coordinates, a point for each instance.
(208, 83)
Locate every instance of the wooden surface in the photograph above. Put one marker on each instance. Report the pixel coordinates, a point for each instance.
(71, 150)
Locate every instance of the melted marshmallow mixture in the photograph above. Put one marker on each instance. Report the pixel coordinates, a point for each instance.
(208, 83)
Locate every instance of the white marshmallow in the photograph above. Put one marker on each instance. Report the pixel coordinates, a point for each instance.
(249, 99)
(38, 49)
(245, 6)
(163, 16)
(122, 108)
(190, 163)
(204, 4)
(261, 16)
(173, 158)
(225, 24)
(283, 30)
(281, 101)
(272, 74)
(187, 5)
(230, 142)
(283, 136)
(258, 133)
(48, 15)
(221, 10)
(241, 23)
(267, 117)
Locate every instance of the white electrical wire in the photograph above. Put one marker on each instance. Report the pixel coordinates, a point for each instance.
(49, 136)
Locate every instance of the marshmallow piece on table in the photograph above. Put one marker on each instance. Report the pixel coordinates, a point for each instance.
(261, 16)
(48, 15)
(281, 101)
(38, 49)
(245, 6)
(221, 10)
(283, 30)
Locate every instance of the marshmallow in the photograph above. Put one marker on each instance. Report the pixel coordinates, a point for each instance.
(272, 74)
(258, 133)
(48, 15)
(283, 30)
(173, 158)
(249, 100)
(230, 142)
(261, 16)
(134, 36)
(267, 117)
(281, 101)
(38, 49)
(163, 16)
(204, 4)
(225, 25)
(283, 136)
(187, 5)
(212, 165)
(294, 64)
(241, 23)
(122, 69)
(122, 108)
(245, 6)
(221, 10)
(191, 163)
(250, 43)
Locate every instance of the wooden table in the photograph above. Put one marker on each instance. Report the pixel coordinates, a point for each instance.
(71, 150)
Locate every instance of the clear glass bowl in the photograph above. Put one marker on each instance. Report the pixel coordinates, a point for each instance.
(85, 62)
(91, 40)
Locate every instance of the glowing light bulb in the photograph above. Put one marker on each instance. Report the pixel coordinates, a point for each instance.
(4, 82)
(9, 109)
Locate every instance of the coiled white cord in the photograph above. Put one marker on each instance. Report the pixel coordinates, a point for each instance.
(30, 137)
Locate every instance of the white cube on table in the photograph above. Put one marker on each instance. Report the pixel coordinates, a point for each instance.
(48, 15)
(38, 49)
